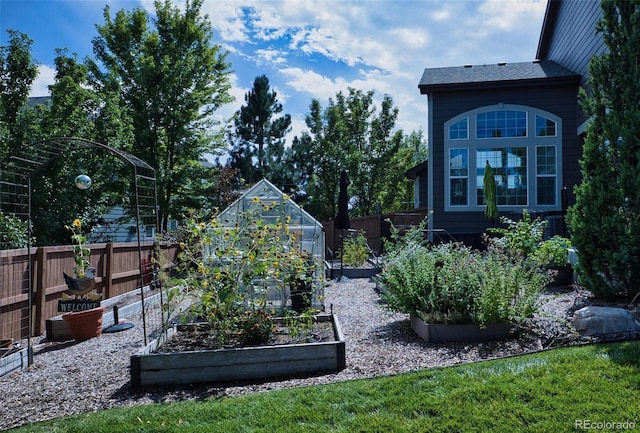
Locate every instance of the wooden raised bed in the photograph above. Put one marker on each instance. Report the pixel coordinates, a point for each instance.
(246, 363)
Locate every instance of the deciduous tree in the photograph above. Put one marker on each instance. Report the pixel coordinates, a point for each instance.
(18, 70)
(172, 80)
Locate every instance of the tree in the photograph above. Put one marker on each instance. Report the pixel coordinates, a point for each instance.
(605, 221)
(351, 133)
(300, 167)
(18, 70)
(172, 79)
(78, 109)
(260, 136)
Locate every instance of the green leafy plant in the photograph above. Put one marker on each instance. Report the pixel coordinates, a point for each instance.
(80, 252)
(450, 283)
(254, 327)
(229, 270)
(519, 239)
(300, 326)
(355, 250)
(13, 232)
(553, 251)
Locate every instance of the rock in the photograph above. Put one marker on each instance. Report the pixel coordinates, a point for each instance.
(604, 320)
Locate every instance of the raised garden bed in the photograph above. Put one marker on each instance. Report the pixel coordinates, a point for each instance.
(14, 358)
(150, 367)
(438, 333)
(332, 270)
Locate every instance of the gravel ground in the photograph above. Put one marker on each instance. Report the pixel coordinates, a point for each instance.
(70, 378)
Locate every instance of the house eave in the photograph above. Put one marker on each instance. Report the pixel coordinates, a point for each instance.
(502, 84)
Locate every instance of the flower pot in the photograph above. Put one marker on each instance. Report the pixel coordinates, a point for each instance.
(84, 325)
(562, 276)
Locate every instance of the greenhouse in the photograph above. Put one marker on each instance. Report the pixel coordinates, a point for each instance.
(281, 243)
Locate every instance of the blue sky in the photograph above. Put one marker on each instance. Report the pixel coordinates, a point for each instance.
(316, 48)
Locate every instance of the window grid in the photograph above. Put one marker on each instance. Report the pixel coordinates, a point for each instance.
(501, 124)
(458, 177)
(545, 127)
(542, 166)
(509, 166)
(546, 175)
(460, 130)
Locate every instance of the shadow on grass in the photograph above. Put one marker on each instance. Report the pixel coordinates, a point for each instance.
(626, 353)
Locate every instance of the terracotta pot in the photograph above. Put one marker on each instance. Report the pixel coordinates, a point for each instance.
(84, 325)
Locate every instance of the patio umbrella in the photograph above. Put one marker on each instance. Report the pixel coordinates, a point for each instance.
(342, 218)
(490, 193)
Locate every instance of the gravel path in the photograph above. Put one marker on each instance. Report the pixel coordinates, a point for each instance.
(70, 378)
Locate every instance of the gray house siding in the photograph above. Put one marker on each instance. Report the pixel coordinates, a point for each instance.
(558, 100)
(569, 37)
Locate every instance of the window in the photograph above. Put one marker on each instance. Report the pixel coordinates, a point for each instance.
(459, 176)
(527, 167)
(503, 123)
(459, 131)
(546, 175)
(545, 127)
(509, 166)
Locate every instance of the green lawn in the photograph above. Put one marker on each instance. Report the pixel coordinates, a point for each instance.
(546, 392)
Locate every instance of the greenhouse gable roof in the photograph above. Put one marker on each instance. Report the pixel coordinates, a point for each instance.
(265, 192)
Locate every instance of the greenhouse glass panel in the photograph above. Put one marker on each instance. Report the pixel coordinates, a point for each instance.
(296, 233)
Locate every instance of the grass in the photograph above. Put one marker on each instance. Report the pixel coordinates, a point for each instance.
(544, 392)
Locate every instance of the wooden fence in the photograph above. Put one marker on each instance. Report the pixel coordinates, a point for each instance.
(117, 272)
(375, 228)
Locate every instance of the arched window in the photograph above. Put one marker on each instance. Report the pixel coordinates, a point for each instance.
(523, 146)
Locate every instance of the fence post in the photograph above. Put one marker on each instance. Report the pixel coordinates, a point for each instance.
(108, 275)
(40, 295)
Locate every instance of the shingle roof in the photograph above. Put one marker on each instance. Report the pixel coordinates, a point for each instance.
(469, 75)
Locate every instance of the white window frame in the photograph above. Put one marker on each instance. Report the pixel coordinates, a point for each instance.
(531, 142)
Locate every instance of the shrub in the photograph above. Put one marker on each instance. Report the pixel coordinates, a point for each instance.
(254, 327)
(553, 252)
(355, 250)
(519, 239)
(451, 283)
(13, 232)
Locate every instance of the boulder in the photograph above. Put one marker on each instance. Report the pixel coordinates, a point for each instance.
(594, 321)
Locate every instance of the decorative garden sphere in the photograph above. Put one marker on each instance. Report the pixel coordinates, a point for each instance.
(83, 181)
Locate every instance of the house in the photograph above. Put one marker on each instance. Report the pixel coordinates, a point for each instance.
(524, 119)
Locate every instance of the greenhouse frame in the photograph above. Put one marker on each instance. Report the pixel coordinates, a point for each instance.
(265, 203)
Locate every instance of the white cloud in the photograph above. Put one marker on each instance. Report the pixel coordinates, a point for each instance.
(277, 57)
(46, 77)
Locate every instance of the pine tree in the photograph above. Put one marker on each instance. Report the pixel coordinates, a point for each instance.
(605, 221)
(259, 137)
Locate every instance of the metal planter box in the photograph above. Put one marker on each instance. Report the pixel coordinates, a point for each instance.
(246, 363)
(437, 333)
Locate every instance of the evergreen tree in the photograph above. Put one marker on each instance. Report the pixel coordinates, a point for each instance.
(605, 221)
(259, 137)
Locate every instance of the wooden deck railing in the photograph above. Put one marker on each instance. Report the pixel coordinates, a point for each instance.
(117, 269)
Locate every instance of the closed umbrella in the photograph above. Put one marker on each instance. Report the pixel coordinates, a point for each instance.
(342, 218)
(491, 210)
